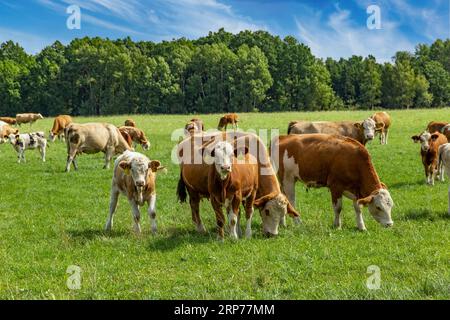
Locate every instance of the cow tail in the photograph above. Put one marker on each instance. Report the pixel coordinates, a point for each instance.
(291, 125)
(181, 189)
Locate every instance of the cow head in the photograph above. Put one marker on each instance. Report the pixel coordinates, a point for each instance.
(425, 139)
(380, 205)
(40, 116)
(191, 128)
(51, 136)
(223, 154)
(144, 142)
(272, 210)
(368, 128)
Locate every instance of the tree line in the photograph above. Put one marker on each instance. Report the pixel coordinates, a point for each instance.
(218, 73)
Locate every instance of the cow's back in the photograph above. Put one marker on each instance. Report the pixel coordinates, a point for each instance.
(90, 137)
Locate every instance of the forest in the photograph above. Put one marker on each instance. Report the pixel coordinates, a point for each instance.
(221, 72)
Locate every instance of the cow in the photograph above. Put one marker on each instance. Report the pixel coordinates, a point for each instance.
(25, 141)
(231, 182)
(446, 132)
(8, 120)
(231, 118)
(360, 131)
(434, 126)
(130, 123)
(271, 202)
(444, 165)
(430, 143)
(28, 118)
(194, 126)
(382, 124)
(137, 136)
(59, 124)
(135, 177)
(5, 131)
(92, 138)
(339, 163)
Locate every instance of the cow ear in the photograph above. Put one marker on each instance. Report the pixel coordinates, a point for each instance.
(126, 166)
(154, 165)
(383, 186)
(365, 201)
(415, 138)
(434, 137)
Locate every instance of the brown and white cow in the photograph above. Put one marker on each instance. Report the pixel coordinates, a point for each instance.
(430, 143)
(271, 202)
(28, 141)
(5, 131)
(28, 118)
(231, 118)
(444, 165)
(360, 131)
(130, 123)
(135, 177)
(382, 124)
(93, 138)
(59, 124)
(434, 126)
(339, 163)
(9, 120)
(194, 126)
(137, 136)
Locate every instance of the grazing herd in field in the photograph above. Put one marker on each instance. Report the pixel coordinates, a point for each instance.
(233, 168)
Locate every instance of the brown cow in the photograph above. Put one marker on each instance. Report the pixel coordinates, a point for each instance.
(434, 126)
(28, 118)
(382, 123)
(135, 177)
(339, 163)
(231, 118)
(92, 138)
(130, 123)
(8, 120)
(430, 143)
(360, 131)
(194, 126)
(6, 130)
(137, 135)
(59, 124)
(271, 202)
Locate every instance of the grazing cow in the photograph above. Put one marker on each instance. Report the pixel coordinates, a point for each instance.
(92, 138)
(360, 131)
(339, 163)
(5, 131)
(444, 165)
(137, 136)
(59, 124)
(430, 143)
(382, 124)
(231, 118)
(8, 120)
(25, 141)
(28, 118)
(271, 202)
(194, 126)
(130, 123)
(135, 177)
(231, 182)
(434, 126)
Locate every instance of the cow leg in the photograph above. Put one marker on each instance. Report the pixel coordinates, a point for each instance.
(194, 201)
(42, 151)
(289, 190)
(71, 154)
(386, 134)
(449, 200)
(112, 208)
(359, 217)
(249, 215)
(233, 213)
(239, 229)
(108, 157)
(136, 216)
(220, 218)
(75, 163)
(152, 212)
(337, 207)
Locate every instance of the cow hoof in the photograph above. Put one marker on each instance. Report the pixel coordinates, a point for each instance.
(297, 220)
(201, 228)
(362, 229)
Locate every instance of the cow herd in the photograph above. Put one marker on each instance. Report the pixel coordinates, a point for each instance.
(231, 168)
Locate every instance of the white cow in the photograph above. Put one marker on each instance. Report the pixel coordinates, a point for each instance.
(24, 141)
(135, 177)
(444, 165)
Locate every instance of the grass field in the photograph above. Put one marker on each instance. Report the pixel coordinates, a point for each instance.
(50, 220)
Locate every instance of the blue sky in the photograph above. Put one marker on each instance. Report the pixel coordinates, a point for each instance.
(330, 27)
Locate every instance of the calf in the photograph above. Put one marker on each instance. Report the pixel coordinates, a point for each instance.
(8, 120)
(137, 136)
(360, 131)
(130, 123)
(59, 124)
(430, 144)
(444, 165)
(231, 118)
(135, 177)
(25, 141)
(339, 163)
(382, 123)
(28, 118)
(194, 126)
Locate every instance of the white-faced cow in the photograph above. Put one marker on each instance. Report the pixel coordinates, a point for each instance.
(339, 163)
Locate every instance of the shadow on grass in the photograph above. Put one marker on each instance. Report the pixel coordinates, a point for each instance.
(402, 184)
(174, 237)
(425, 214)
(91, 234)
